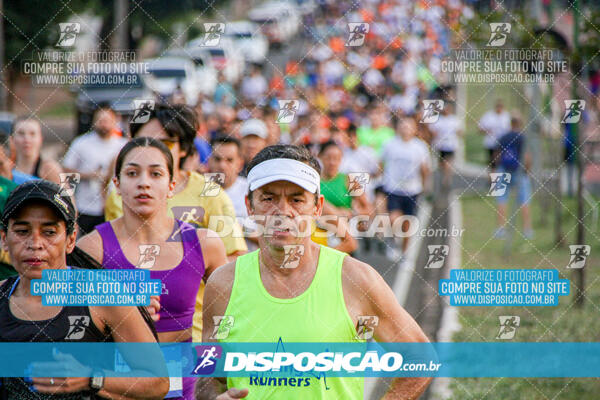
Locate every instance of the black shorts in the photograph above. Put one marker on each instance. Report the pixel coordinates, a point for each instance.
(406, 204)
(569, 155)
(379, 190)
(492, 158)
(446, 155)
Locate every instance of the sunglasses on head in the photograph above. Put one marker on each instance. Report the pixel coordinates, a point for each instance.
(170, 143)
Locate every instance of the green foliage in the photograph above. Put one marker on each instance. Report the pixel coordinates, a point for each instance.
(476, 31)
(527, 32)
(563, 323)
(33, 25)
(589, 37)
(156, 16)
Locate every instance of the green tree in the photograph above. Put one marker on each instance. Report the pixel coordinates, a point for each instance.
(32, 25)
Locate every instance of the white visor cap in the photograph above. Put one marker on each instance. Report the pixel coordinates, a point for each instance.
(284, 169)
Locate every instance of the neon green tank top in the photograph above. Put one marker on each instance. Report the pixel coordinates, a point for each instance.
(335, 191)
(317, 315)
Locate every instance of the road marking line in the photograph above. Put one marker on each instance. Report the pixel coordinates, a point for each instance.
(440, 387)
(404, 276)
(407, 269)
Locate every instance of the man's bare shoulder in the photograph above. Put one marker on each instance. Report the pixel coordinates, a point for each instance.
(217, 293)
(367, 293)
(360, 275)
(222, 278)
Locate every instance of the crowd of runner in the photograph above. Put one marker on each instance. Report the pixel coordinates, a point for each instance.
(354, 107)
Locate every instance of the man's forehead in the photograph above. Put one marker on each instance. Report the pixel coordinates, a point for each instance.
(281, 187)
(225, 148)
(104, 113)
(153, 129)
(28, 124)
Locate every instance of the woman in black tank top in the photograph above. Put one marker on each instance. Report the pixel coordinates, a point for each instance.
(55, 329)
(70, 324)
(38, 232)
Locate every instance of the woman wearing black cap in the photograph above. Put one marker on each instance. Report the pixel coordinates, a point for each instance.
(38, 232)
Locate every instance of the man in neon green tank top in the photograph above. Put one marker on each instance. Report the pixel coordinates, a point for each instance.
(317, 296)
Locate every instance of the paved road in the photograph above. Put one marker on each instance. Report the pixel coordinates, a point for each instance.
(422, 300)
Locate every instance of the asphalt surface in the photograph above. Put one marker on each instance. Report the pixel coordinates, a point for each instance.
(422, 300)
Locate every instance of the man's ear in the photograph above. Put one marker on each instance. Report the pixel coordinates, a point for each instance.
(13, 149)
(240, 163)
(319, 205)
(249, 207)
(183, 153)
(3, 238)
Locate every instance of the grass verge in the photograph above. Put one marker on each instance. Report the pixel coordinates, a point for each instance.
(563, 323)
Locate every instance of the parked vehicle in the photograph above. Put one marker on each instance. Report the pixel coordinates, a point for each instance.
(206, 73)
(224, 56)
(306, 7)
(169, 74)
(248, 39)
(278, 20)
(6, 122)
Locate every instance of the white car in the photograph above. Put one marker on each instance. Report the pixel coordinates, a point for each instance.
(306, 7)
(225, 57)
(206, 73)
(169, 73)
(278, 20)
(248, 39)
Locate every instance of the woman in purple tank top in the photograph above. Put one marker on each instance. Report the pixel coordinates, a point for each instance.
(146, 237)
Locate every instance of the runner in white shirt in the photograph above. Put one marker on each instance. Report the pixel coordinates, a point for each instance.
(406, 166)
(91, 156)
(226, 159)
(254, 86)
(494, 124)
(446, 131)
(359, 158)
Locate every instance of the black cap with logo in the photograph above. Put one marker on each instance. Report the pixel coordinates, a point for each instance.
(43, 190)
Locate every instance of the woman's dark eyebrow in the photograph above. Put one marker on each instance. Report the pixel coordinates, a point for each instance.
(138, 165)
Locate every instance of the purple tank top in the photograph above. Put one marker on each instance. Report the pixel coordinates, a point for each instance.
(179, 285)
